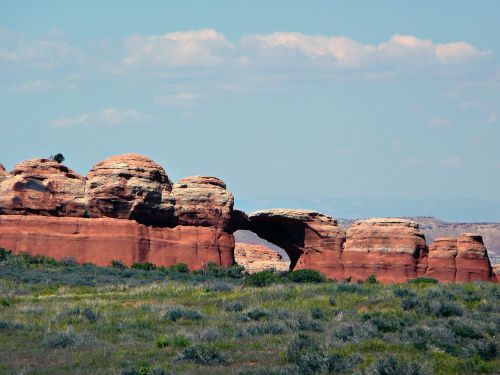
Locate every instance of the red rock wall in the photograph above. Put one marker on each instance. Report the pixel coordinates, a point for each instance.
(99, 241)
(441, 261)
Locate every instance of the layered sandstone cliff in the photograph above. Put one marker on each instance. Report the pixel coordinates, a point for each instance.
(127, 209)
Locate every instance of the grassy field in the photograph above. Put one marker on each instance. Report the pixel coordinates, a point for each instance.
(62, 318)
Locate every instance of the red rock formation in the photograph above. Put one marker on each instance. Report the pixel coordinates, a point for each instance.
(472, 259)
(101, 240)
(129, 186)
(392, 249)
(42, 187)
(202, 201)
(256, 258)
(311, 240)
(496, 272)
(441, 260)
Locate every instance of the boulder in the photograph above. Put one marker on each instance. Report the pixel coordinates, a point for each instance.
(42, 187)
(101, 240)
(311, 240)
(129, 186)
(496, 272)
(472, 259)
(392, 249)
(441, 260)
(202, 201)
(256, 258)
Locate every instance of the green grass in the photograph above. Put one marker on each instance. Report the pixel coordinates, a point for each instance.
(61, 318)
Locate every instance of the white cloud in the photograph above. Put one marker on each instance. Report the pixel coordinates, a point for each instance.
(180, 99)
(492, 118)
(46, 52)
(176, 49)
(36, 85)
(438, 122)
(108, 116)
(349, 53)
(452, 163)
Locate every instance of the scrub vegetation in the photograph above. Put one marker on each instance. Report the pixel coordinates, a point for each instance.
(57, 317)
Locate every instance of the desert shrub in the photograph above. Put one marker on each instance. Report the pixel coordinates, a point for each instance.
(8, 325)
(372, 279)
(386, 322)
(261, 279)
(79, 314)
(349, 287)
(445, 309)
(233, 272)
(210, 334)
(424, 280)
(67, 339)
(218, 286)
(177, 341)
(317, 313)
(487, 350)
(353, 332)
(143, 369)
(258, 314)
(300, 345)
(465, 329)
(118, 265)
(285, 370)
(404, 293)
(409, 303)
(176, 313)
(263, 329)
(342, 364)
(331, 301)
(304, 324)
(235, 306)
(179, 268)
(4, 254)
(38, 259)
(203, 355)
(390, 365)
(306, 276)
(145, 266)
(4, 302)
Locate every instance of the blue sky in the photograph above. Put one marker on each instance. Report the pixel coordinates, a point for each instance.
(345, 106)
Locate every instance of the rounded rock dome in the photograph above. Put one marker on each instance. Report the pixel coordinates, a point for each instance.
(128, 186)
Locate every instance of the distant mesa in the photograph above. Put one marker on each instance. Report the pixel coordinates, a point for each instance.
(128, 209)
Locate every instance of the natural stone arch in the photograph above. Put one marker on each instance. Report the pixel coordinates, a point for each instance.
(311, 240)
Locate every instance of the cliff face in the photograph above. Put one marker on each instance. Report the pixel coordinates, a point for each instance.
(127, 209)
(255, 258)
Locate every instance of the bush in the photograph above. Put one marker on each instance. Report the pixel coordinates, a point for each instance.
(4, 254)
(177, 313)
(118, 265)
(300, 345)
(143, 369)
(424, 280)
(261, 279)
(78, 313)
(488, 351)
(233, 272)
(203, 355)
(179, 268)
(145, 266)
(445, 309)
(386, 322)
(263, 329)
(349, 288)
(372, 279)
(210, 334)
(235, 306)
(258, 314)
(67, 339)
(390, 365)
(404, 293)
(306, 276)
(317, 313)
(177, 341)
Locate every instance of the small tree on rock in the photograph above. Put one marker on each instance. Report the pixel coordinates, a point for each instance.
(57, 157)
